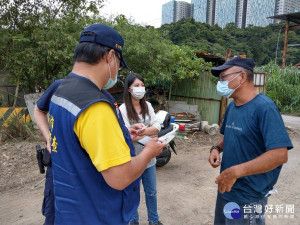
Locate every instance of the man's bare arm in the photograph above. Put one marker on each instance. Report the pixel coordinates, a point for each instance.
(41, 121)
(262, 164)
(214, 157)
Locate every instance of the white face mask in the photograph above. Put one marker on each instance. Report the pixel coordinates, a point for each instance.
(138, 92)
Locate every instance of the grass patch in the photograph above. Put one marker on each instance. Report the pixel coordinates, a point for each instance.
(15, 128)
(283, 87)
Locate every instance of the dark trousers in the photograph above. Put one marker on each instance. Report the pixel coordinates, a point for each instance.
(48, 209)
(251, 214)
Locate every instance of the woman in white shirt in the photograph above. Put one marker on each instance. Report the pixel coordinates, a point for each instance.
(136, 109)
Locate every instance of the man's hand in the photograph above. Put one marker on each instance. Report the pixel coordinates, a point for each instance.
(227, 179)
(214, 158)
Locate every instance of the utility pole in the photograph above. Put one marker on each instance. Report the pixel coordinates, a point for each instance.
(287, 22)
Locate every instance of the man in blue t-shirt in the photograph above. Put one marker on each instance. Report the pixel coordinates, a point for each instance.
(254, 146)
(40, 115)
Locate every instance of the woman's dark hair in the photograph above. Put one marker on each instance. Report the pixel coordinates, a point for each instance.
(131, 113)
(90, 53)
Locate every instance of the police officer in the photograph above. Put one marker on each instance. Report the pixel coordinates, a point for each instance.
(95, 171)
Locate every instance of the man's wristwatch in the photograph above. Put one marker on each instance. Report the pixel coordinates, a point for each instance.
(216, 147)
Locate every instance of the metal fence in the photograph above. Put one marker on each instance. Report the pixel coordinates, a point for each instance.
(202, 92)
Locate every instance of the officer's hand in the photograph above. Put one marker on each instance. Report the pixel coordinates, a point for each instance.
(154, 147)
(137, 126)
(134, 129)
(136, 138)
(48, 146)
(141, 132)
(214, 158)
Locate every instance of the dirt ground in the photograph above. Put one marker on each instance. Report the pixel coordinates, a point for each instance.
(186, 188)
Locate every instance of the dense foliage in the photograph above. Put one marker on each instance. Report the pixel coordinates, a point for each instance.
(263, 44)
(283, 87)
(153, 55)
(259, 43)
(38, 39)
(38, 48)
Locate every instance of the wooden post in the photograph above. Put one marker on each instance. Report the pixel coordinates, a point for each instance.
(224, 101)
(223, 107)
(285, 43)
(228, 54)
(16, 94)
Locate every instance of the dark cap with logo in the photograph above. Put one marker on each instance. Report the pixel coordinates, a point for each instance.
(106, 36)
(246, 63)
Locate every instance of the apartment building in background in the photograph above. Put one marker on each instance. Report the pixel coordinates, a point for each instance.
(204, 11)
(287, 6)
(168, 13)
(182, 10)
(258, 12)
(242, 13)
(199, 11)
(225, 12)
(174, 11)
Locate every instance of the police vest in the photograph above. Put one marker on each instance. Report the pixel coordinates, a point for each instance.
(81, 194)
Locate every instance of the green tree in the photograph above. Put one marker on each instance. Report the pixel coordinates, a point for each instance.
(260, 43)
(151, 53)
(38, 38)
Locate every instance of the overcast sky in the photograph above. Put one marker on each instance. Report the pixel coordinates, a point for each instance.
(144, 12)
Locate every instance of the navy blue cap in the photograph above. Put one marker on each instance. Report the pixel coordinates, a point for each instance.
(106, 36)
(246, 63)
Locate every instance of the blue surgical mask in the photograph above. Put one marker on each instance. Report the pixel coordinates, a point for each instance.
(110, 83)
(224, 90)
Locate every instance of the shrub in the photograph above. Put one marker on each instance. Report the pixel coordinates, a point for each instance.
(16, 128)
(283, 87)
